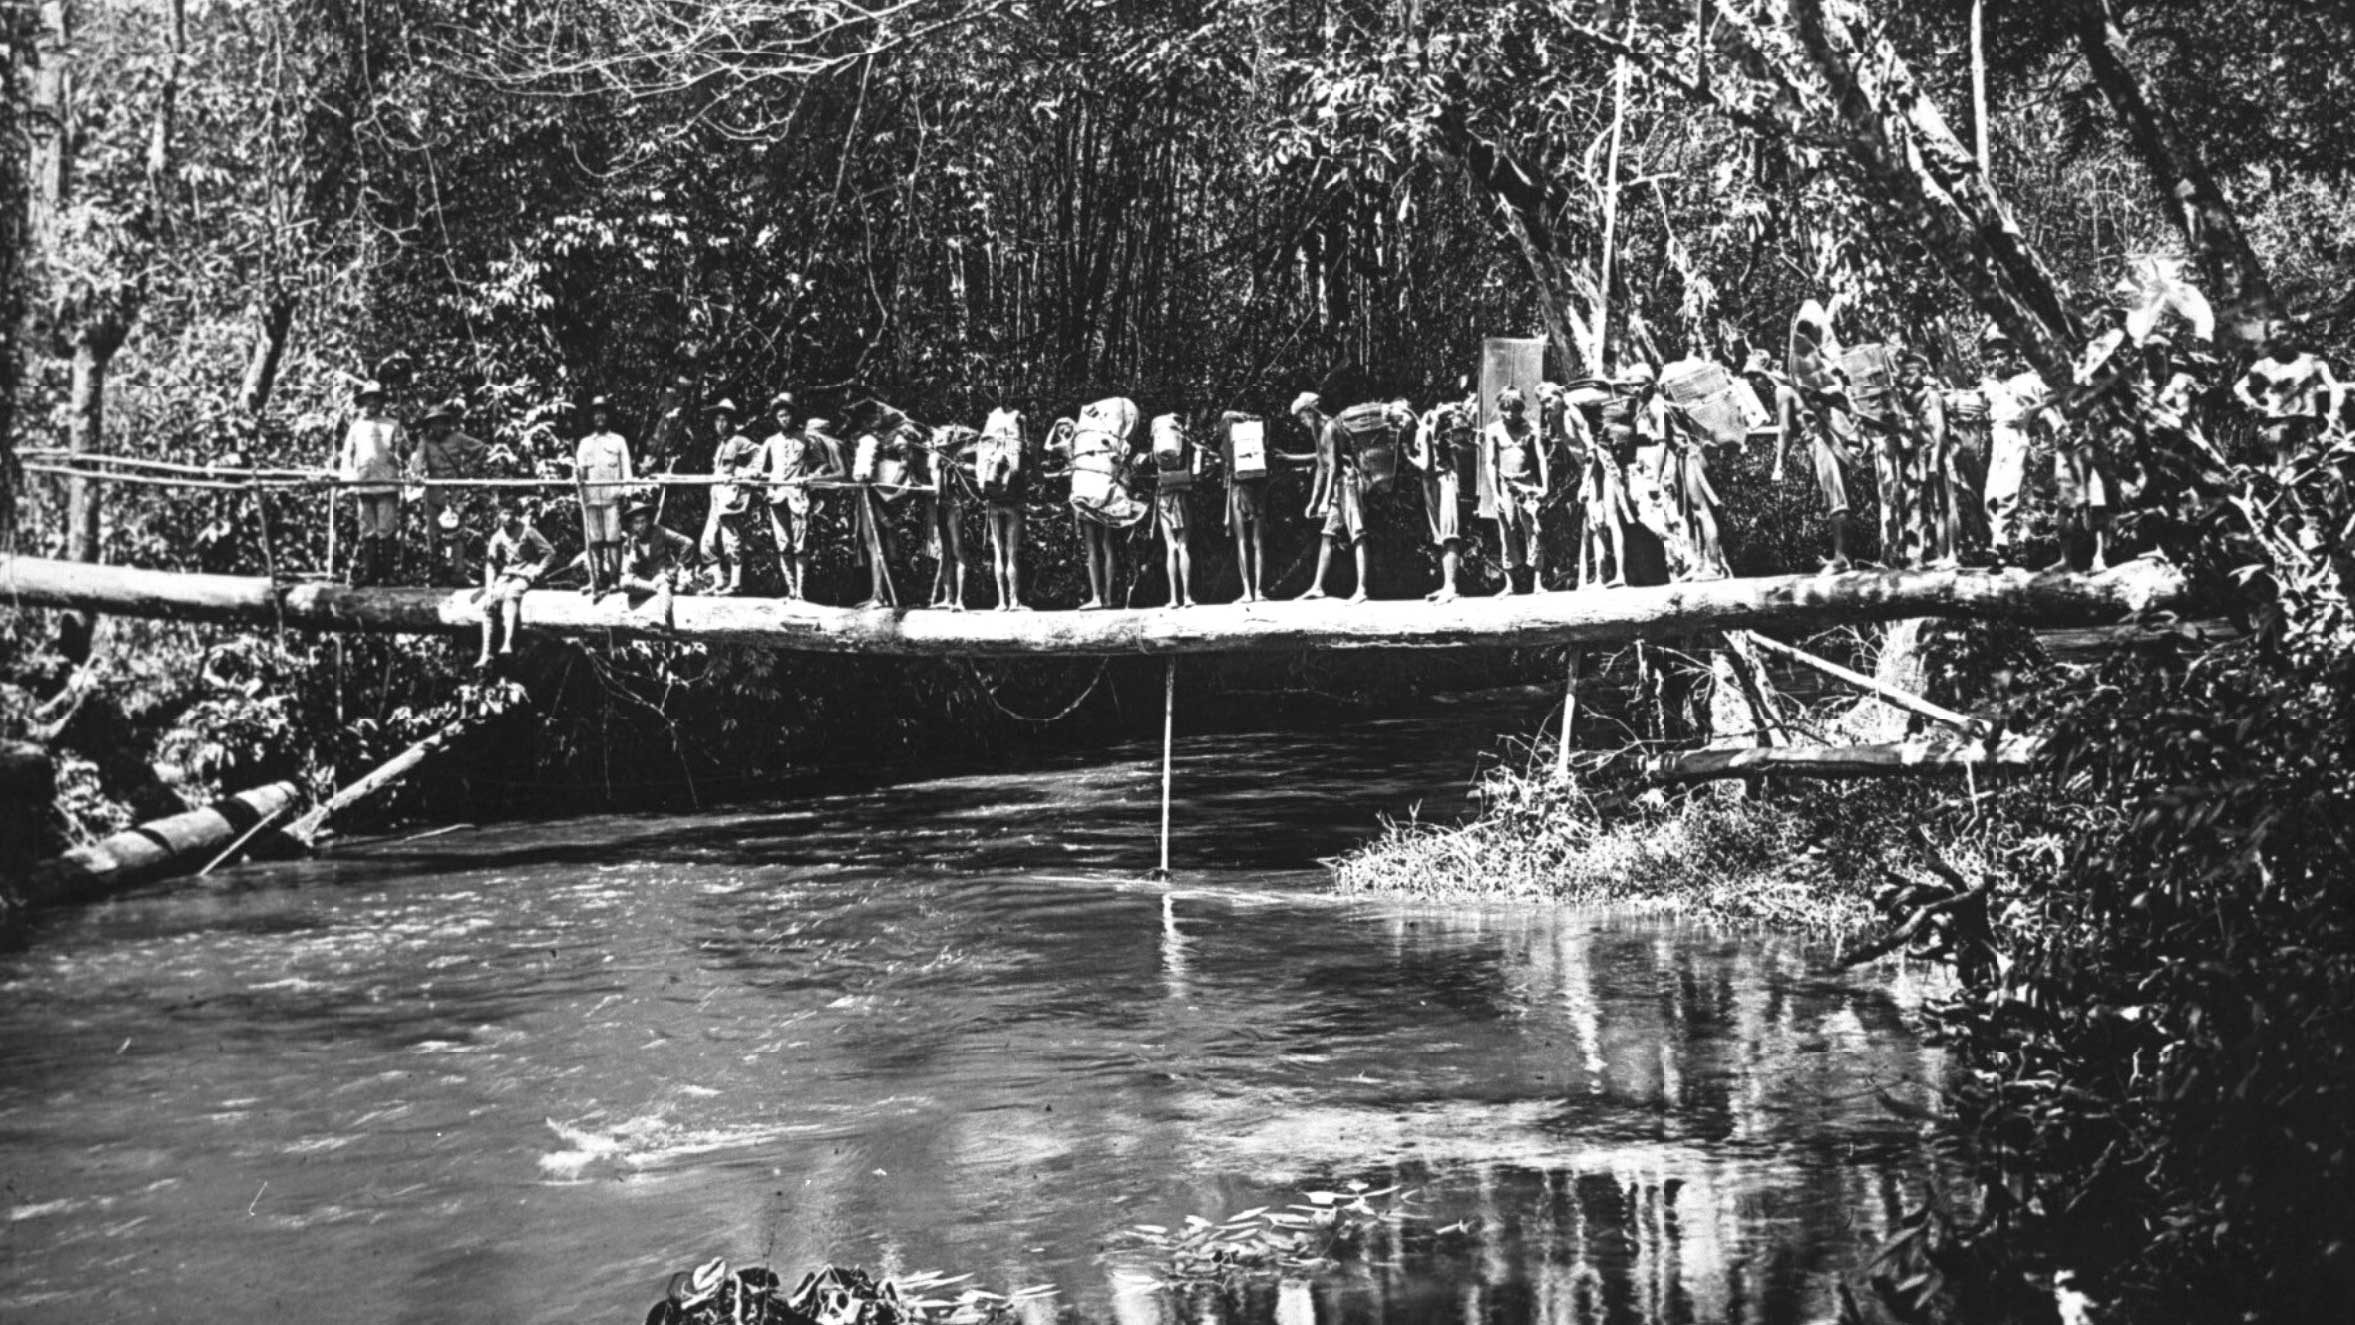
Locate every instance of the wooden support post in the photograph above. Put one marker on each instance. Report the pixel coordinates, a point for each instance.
(1168, 735)
(1569, 714)
(306, 829)
(1887, 694)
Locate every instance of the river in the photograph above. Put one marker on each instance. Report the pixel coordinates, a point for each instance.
(522, 1074)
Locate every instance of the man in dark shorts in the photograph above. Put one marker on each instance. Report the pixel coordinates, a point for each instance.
(1337, 497)
(1516, 455)
(1246, 497)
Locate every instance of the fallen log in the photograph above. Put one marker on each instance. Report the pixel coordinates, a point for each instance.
(155, 850)
(1903, 700)
(1906, 759)
(306, 829)
(1585, 617)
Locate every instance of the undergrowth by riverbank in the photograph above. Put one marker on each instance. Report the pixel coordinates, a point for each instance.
(1797, 859)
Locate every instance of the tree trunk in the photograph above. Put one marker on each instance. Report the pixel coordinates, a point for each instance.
(261, 369)
(1595, 616)
(2241, 290)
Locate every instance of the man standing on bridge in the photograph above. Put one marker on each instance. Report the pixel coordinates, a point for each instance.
(601, 468)
(373, 451)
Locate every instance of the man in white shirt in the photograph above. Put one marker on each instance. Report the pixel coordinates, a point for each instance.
(2017, 400)
(374, 451)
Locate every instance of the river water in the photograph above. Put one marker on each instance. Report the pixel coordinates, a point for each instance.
(523, 1074)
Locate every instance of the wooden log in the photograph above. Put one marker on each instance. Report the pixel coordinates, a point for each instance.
(155, 850)
(1521, 621)
(1887, 694)
(306, 829)
(1904, 759)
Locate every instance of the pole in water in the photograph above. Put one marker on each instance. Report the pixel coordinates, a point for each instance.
(1569, 714)
(1168, 729)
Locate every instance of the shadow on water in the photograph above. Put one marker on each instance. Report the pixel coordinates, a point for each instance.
(522, 1075)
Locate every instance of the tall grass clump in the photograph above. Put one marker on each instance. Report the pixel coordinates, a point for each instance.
(1708, 853)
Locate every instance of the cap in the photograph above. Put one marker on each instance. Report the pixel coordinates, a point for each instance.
(1306, 400)
(781, 400)
(724, 405)
(371, 387)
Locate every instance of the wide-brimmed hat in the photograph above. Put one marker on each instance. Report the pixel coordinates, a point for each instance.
(1306, 400)
(600, 402)
(724, 405)
(781, 400)
(635, 507)
(690, 1288)
(437, 414)
(371, 387)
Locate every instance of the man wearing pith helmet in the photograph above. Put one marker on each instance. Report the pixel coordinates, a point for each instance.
(373, 450)
(448, 453)
(737, 458)
(789, 462)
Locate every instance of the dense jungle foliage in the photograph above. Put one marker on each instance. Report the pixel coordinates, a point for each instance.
(240, 208)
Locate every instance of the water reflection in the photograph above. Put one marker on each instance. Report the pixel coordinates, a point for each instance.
(532, 1072)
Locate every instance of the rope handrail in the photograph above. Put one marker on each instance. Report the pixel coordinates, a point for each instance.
(297, 479)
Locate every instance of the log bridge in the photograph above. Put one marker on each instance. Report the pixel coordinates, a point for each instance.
(1796, 602)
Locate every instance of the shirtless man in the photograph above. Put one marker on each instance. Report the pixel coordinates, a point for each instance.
(2287, 390)
(1815, 402)
(1245, 464)
(1516, 455)
(1446, 449)
(1336, 496)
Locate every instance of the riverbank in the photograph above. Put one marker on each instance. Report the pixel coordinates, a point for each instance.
(1806, 862)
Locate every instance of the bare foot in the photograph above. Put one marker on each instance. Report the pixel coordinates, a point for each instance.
(1316, 592)
(1092, 605)
(483, 664)
(870, 603)
(1837, 564)
(1019, 607)
(1615, 582)
(1358, 597)
(1443, 596)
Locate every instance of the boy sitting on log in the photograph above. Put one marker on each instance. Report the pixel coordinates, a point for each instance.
(653, 560)
(514, 560)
